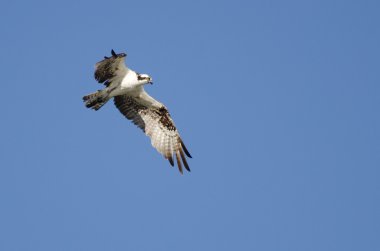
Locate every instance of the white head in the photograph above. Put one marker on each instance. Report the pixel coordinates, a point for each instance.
(144, 79)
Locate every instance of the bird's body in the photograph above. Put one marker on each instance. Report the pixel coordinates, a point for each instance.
(127, 88)
(125, 84)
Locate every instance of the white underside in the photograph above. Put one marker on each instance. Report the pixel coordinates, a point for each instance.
(129, 85)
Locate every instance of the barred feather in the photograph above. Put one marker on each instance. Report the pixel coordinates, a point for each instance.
(158, 125)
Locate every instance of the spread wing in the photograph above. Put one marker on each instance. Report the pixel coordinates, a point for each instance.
(110, 68)
(158, 125)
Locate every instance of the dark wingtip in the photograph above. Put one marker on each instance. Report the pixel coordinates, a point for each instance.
(113, 53)
(184, 160)
(185, 149)
(171, 161)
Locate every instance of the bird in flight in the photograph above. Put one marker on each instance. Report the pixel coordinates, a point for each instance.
(126, 87)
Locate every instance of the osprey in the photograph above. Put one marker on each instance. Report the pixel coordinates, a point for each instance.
(126, 87)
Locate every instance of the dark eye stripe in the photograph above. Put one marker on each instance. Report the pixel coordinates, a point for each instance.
(139, 77)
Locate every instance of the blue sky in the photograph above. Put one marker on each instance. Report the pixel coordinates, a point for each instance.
(277, 101)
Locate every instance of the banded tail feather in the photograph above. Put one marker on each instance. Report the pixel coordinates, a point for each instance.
(96, 100)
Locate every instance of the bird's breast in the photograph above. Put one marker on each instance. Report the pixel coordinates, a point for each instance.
(129, 80)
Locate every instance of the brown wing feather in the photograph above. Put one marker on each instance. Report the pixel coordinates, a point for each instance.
(184, 159)
(158, 125)
(179, 162)
(109, 68)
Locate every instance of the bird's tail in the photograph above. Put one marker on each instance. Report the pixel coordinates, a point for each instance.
(96, 100)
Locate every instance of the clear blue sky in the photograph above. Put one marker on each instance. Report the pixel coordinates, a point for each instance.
(277, 101)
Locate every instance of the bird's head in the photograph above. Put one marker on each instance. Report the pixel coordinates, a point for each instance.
(144, 79)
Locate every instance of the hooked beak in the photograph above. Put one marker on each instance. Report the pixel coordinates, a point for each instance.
(150, 81)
